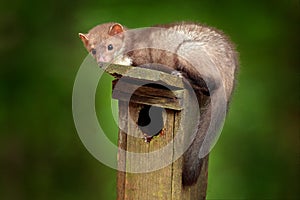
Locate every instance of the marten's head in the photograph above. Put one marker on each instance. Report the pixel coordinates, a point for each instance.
(104, 41)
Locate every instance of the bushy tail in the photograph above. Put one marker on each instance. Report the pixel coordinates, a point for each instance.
(192, 162)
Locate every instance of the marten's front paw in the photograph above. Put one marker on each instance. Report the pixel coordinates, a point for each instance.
(177, 73)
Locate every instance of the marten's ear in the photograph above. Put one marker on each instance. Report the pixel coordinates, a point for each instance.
(115, 29)
(84, 38)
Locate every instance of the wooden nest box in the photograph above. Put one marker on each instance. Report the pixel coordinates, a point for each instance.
(152, 105)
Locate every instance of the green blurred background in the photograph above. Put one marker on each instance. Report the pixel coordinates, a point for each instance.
(41, 155)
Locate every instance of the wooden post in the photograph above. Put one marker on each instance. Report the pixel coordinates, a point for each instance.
(162, 90)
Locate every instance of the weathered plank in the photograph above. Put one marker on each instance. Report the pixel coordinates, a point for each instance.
(122, 144)
(145, 94)
(138, 73)
(151, 185)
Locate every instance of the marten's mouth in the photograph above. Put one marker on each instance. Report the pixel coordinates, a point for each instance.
(102, 64)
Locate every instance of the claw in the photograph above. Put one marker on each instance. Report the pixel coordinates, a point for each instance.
(177, 73)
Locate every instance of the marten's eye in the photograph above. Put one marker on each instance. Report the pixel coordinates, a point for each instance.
(94, 51)
(110, 47)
